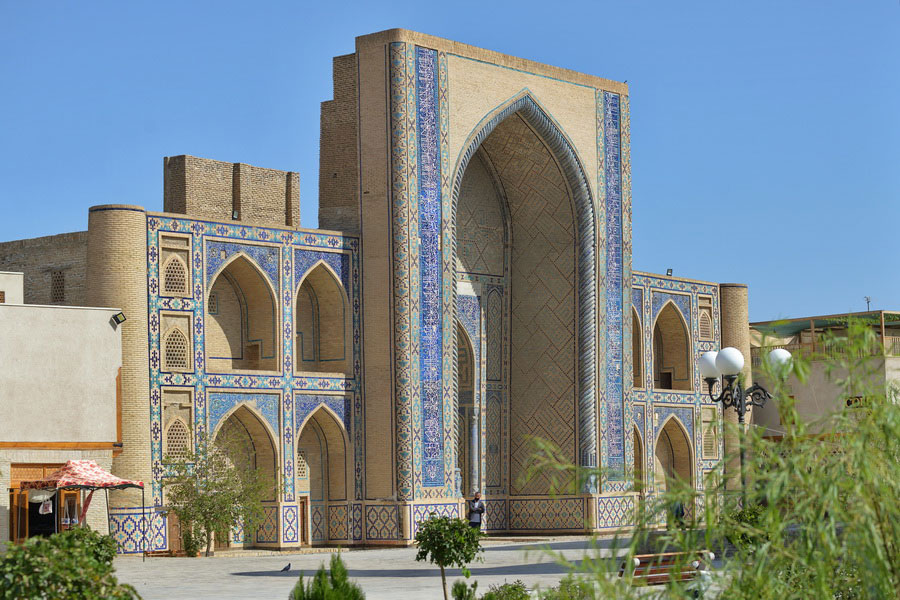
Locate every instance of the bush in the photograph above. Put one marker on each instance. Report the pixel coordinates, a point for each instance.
(448, 542)
(744, 530)
(508, 591)
(75, 564)
(571, 588)
(462, 591)
(328, 585)
(190, 541)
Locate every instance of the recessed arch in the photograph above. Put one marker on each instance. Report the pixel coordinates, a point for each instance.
(575, 346)
(637, 349)
(468, 457)
(322, 341)
(672, 368)
(323, 444)
(673, 454)
(242, 330)
(638, 472)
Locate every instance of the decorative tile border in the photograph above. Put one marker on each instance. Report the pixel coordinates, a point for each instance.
(126, 526)
(382, 522)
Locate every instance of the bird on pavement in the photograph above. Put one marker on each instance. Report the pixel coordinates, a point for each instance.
(286, 568)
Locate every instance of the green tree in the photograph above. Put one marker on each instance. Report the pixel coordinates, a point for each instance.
(822, 515)
(334, 584)
(216, 489)
(448, 542)
(76, 564)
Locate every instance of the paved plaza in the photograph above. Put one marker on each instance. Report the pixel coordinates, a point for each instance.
(383, 573)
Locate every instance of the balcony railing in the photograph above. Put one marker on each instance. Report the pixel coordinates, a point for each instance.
(891, 345)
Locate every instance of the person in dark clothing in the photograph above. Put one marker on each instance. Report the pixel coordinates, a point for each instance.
(476, 511)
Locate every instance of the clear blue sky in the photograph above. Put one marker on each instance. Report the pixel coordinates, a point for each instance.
(765, 135)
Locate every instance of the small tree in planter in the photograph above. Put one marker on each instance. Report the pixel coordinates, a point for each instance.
(448, 542)
(216, 489)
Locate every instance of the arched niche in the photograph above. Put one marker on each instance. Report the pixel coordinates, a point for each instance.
(322, 455)
(638, 473)
(520, 161)
(671, 350)
(242, 316)
(637, 349)
(673, 455)
(468, 456)
(322, 326)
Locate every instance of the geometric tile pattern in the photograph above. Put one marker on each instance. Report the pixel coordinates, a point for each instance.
(614, 433)
(291, 524)
(337, 522)
(430, 271)
(267, 531)
(126, 525)
(547, 513)
(221, 403)
(423, 512)
(317, 521)
(615, 511)
(495, 515)
(382, 522)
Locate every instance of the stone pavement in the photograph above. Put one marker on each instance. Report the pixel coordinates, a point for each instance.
(383, 573)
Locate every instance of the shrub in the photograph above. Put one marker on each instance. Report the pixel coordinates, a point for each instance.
(328, 585)
(508, 591)
(462, 591)
(74, 564)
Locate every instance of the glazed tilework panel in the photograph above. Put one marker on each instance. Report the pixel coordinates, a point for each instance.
(430, 293)
(614, 512)
(682, 301)
(127, 528)
(404, 267)
(423, 512)
(382, 522)
(614, 432)
(283, 255)
(338, 522)
(495, 515)
(305, 404)
(317, 521)
(267, 531)
(291, 519)
(221, 403)
(305, 259)
(547, 514)
(267, 258)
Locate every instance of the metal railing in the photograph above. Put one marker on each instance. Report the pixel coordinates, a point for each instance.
(891, 346)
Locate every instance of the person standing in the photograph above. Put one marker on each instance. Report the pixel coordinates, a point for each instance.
(476, 511)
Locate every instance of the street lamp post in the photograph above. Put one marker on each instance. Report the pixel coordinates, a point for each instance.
(728, 363)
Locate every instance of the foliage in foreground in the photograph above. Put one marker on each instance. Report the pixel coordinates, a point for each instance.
(448, 542)
(214, 490)
(74, 564)
(822, 515)
(331, 585)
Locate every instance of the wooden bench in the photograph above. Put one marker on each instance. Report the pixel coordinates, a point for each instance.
(661, 569)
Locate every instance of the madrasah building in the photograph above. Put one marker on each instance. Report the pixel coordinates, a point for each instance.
(470, 288)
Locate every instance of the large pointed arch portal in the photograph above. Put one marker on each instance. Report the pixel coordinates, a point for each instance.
(550, 277)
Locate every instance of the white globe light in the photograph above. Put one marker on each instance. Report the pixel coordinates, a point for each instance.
(779, 358)
(708, 368)
(730, 361)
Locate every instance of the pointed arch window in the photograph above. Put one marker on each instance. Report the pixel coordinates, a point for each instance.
(175, 351)
(178, 440)
(671, 350)
(175, 277)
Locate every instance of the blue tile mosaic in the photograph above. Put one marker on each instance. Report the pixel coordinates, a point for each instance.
(266, 258)
(220, 403)
(431, 325)
(682, 301)
(305, 404)
(615, 407)
(338, 261)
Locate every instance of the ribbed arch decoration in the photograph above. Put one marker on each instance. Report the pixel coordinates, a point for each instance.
(567, 159)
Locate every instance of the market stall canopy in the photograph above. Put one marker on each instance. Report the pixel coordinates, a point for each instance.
(81, 474)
